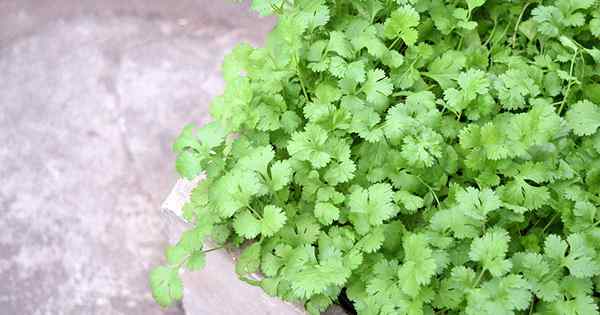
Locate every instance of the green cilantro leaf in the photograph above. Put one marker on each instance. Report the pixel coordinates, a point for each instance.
(447, 67)
(281, 174)
(490, 251)
(472, 83)
(246, 224)
(408, 200)
(309, 145)
(401, 24)
(326, 212)
(189, 164)
(580, 260)
(272, 221)
(372, 241)
(512, 88)
(166, 285)
(373, 204)
(584, 118)
(316, 279)
(418, 266)
(340, 172)
(475, 4)
(500, 296)
(196, 261)
(249, 260)
(377, 85)
(339, 44)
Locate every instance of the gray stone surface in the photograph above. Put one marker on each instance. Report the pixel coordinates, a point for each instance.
(93, 93)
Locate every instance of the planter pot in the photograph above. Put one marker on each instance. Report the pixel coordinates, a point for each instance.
(216, 289)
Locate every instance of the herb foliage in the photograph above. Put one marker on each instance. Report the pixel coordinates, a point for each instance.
(430, 157)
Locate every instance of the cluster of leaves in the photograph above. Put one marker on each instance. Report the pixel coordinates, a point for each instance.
(421, 156)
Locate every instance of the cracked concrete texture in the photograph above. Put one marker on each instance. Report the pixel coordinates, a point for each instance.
(93, 93)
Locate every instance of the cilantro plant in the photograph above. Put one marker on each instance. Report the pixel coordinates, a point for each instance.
(416, 156)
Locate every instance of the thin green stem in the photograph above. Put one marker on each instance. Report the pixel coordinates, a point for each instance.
(583, 63)
(460, 42)
(254, 212)
(394, 43)
(592, 226)
(213, 249)
(536, 223)
(550, 222)
(562, 104)
(437, 201)
(514, 35)
(479, 277)
(183, 261)
(501, 36)
(566, 94)
(403, 93)
(531, 306)
(426, 74)
(487, 41)
(300, 77)
(411, 65)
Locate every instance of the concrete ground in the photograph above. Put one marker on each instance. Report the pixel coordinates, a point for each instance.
(92, 94)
